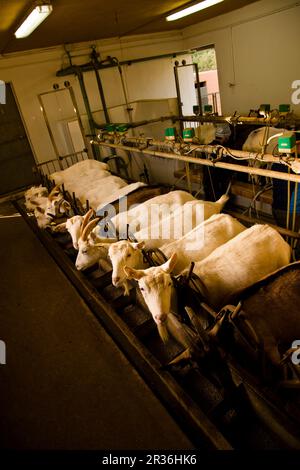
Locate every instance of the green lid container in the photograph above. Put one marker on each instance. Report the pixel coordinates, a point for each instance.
(188, 134)
(208, 108)
(110, 127)
(287, 142)
(170, 131)
(284, 108)
(121, 128)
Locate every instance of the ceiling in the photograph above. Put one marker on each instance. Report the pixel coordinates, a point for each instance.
(84, 20)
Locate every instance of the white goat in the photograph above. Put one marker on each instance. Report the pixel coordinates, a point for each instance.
(72, 226)
(83, 261)
(124, 249)
(80, 170)
(232, 267)
(140, 215)
(33, 197)
(47, 208)
(242, 261)
(172, 226)
(254, 141)
(157, 289)
(194, 246)
(198, 240)
(90, 251)
(203, 240)
(90, 180)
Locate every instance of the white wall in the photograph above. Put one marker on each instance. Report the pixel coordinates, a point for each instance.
(257, 49)
(34, 72)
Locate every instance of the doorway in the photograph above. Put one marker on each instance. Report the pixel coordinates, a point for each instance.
(17, 164)
(205, 58)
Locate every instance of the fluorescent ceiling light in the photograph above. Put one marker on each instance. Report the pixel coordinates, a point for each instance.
(33, 20)
(193, 9)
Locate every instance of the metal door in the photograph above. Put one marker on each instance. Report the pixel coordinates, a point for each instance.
(17, 163)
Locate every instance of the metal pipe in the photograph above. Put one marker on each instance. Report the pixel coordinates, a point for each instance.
(101, 92)
(205, 162)
(198, 89)
(283, 231)
(255, 121)
(76, 109)
(49, 130)
(91, 120)
(108, 63)
(208, 149)
(179, 103)
(288, 202)
(95, 62)
(295, 206)
(128, 107)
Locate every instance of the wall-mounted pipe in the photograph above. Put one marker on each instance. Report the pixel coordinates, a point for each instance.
(205, 162)
(95, 62)
(141, 123)
(177, 147)
(108, 63)
(91, 120)
(290, 120)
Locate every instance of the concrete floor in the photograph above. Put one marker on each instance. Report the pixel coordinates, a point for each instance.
(65, 384)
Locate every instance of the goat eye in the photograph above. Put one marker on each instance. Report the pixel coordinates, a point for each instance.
(170, 283)
(128, 256)
(142, 289)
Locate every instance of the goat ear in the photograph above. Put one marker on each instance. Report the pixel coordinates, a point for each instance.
(66, 205)
(139, 245)
(93, 236)
(54, 193)
(169, 265)
(60, 228)
(133, 273)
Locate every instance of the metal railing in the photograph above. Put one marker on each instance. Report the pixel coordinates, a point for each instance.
(61, 163)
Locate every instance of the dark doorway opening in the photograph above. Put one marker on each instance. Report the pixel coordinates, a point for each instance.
(17, 164)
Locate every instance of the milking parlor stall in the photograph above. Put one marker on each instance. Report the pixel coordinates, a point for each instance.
(150, 225)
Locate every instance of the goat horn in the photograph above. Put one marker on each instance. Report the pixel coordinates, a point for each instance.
(89, 227)
(86, 219)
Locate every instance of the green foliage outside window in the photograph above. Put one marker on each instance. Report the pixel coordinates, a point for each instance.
(206, 59)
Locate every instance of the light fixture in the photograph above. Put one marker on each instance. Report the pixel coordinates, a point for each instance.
(192, 9)
(33, 20)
